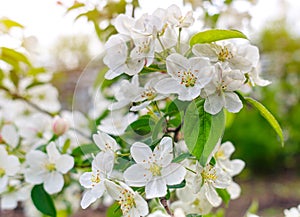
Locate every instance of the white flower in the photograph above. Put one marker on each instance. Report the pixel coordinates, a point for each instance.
(127, 93)
(106, 142)
(238, 57)
(132, 204)
(124, 24)
(255, 79)
(154, 169)
(212, 177)
(148, 94)
(188, 76)
(9, 166)
(116, 123)
(117, 59)
(15, 193)
(78, 121)
(147, 25)
(219, 92)
(10, 135)
(175, 18)
(292, 212)
(191, 202)
(37, 131)
(48, 168)
(143, 49)
(102, 167)
(232, 167)
(45, 96)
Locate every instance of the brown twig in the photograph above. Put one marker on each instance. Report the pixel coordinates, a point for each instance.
(164, 202)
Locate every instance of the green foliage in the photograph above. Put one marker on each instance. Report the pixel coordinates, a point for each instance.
(223, 193)
(213, 35)
(43, 201)
(85, 149)
(204, 130)
(114, 210)
(268, 116)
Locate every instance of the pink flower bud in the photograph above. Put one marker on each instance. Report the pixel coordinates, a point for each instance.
(59, 126)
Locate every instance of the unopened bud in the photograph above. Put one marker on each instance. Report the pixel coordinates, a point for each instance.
(59, 126)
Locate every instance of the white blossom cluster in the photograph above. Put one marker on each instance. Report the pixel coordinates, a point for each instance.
(150, 63)
(213, 71)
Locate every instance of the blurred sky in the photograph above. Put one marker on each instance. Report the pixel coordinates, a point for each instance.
(46, 20)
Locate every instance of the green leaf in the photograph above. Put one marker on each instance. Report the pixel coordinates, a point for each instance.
(85, 149)
(216, 132)
(196, 127)
(14, 78)
(181, 157)
(43, 201)
(194, 215)
(141, 126)
(268, 116)
(158, 128)
(114, 210)
(223, 193)
(180, 185)
(213, 35)
(202, 130)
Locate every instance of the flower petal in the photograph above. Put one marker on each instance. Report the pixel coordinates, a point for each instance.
(140, 152)
(86, 179)
(214, 103)
(54, 182)
(113, 189)
(52, 152)
(232, 102)
(163, 152)
(64, 163)
(136, 175)
(87, 199)
(174, 173)
(141, 205)
(10, 135)
(212, 195)
(156, 188)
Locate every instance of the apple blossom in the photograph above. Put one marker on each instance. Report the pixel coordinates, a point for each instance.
(238, 57)
(9, 166)
(292, 212)
(102, 166)
(154, 170)
(48, 168)
(132, 203)
(187, 76)
(116, 123)
(10, 135)
(219, 92)
(105, 142)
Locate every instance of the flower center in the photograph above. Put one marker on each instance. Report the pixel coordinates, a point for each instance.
(149, 94)
(126, 201)
(209, 174)
(2, 172)
(220, 154)
(96, 178)
(50, 167)
(188, 79)
(144, 47)
(155, 169)
(225, 54)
